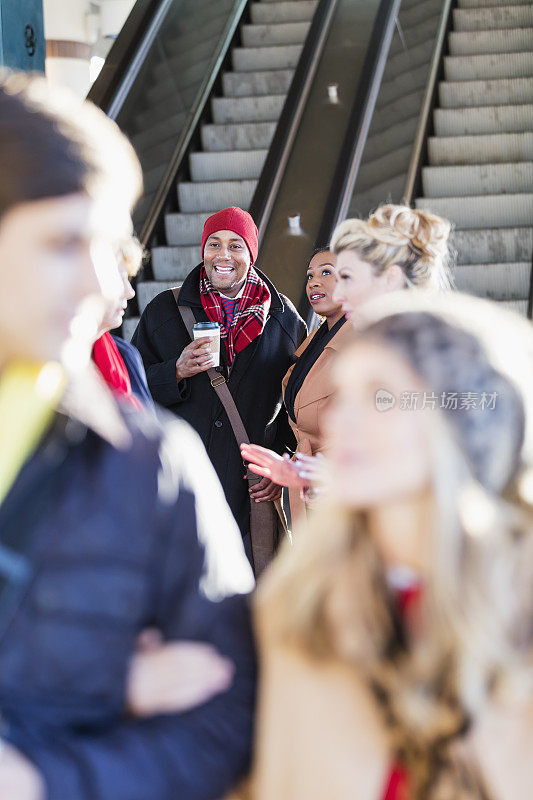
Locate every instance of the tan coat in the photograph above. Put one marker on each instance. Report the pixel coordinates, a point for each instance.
(310, 403)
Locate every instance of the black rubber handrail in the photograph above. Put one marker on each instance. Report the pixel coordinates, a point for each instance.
(291, 114)
(191, 127)
(345, 176)
(122, 53)
(412, 180)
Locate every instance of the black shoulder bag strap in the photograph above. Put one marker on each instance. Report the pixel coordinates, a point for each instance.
(263, 523)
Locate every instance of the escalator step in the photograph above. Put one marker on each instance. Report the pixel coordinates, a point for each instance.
(477, 212)
(244, 84)
(274, 34)
(498, 148)
(250, 59)
(502, 16)
(233, 165)
(296, 11)
(486, 3)
(194, 197)
(248, 136)
(507, 281)
(499, 65)
(508, 40)
(266, 108)
(483, 119)
(483, 245)
(174, 263)
(186, 229)
(460, 94)
(478, 179)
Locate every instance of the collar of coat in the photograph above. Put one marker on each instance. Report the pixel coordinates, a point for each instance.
(190, 290)
(87, 400)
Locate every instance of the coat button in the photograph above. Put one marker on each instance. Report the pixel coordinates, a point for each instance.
(218, 424)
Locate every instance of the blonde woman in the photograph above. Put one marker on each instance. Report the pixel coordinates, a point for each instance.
(396, 248)
(396, 639)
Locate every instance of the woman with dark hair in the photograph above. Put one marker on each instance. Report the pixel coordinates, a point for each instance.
(105, 528)
(306, 386)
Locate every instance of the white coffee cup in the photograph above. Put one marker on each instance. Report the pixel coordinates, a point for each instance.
(212, 330)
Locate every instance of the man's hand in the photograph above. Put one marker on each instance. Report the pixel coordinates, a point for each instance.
(196, 357)
(265, 490)
(19, 778)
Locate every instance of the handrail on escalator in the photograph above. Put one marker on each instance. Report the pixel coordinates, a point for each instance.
(119, 59)
(363, 106)
(291, 115)
(139, 38)
(428, 103)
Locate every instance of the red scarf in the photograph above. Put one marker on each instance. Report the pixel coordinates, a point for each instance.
(111, 364)
(250, 315)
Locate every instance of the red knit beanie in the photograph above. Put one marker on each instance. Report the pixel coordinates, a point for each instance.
(236, 220)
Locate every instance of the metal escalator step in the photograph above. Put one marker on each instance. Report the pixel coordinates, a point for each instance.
(186, 229)
(274, 34)
(497, 211)
(461, 94)
(296, 11)
(497, 17)
(194, 197)
(478, 179)
(507, 281)
(265, 108)
(174, 263)
(487, 3)
(250, 59)
(496, 65)
(512, 40)
(483, 119)
(485, 245)
(486, 149)
(248, 136)
(147, 290)
(244, 84)
(232, 165)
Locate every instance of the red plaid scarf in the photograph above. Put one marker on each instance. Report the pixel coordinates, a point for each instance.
(250, 315)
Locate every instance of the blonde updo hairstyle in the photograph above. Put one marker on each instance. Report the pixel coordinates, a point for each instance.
(414, 240)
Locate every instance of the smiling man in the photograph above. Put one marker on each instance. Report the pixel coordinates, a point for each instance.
(260, 331)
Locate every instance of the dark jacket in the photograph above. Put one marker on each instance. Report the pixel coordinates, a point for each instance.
(114, 540)
(134, 364)
(254, 381)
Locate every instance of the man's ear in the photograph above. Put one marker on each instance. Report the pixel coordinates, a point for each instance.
(394, 278)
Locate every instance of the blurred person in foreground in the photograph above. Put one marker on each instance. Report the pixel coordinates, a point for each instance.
(118, 360)
(109, 524)
(396, 638)
(395, 249)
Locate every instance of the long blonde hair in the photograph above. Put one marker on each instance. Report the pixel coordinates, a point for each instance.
(329, 595)
(415, 240)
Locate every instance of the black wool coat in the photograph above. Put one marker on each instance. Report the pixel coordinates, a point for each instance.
(254, 381)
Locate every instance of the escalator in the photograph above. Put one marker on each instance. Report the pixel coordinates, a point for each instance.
(309, 111)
